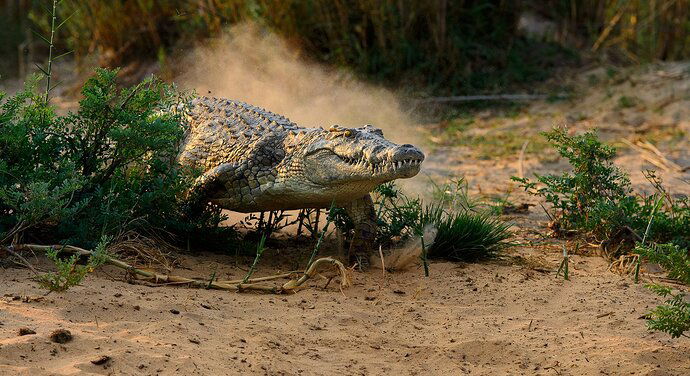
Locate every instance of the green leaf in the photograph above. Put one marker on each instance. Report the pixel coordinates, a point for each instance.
(46, 40)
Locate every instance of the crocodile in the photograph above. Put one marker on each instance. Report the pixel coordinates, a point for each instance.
(253, 160)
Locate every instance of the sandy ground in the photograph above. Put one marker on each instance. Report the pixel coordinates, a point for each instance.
(494, 318)
(511, 316)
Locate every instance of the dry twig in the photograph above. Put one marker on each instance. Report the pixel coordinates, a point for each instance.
(250, 284)
(652, 155)
(521, 159)
(383, 264)
(496, 97)
(24, 262)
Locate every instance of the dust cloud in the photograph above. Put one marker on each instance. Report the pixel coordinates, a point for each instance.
(409, 254)
(257, 67)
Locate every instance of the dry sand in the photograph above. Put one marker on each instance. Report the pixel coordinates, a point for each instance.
(492, 318)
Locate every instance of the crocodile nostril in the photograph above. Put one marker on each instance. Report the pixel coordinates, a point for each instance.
(408, 153)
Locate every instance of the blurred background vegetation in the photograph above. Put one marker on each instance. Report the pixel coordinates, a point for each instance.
(440, 46)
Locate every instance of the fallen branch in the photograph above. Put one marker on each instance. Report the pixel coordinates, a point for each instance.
(238, 285)
(496, 97)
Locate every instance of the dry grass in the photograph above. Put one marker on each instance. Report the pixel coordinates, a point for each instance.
(467, 44)
(630, 30)
(150, 252)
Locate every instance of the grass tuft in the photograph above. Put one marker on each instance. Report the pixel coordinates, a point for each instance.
(466, 230)
(465, 235)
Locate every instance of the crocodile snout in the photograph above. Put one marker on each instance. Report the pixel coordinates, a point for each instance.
(407, 152)
(406, 160)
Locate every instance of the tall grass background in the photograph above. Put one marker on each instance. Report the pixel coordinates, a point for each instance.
(633, 31)
(445, 46)
(458, 44)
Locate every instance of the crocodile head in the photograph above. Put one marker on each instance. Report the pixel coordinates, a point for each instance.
(353, 161)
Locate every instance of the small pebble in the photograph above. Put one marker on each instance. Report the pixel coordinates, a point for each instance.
(102, 360)
(26, 331)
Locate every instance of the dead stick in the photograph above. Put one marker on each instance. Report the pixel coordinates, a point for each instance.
(120, 264)
(383, 264)
(605, 314)
(648, 145)
(300, 216)
(521, 159)
(291, 285)
(497, 97)
(316, 224)
(650, 156)
(261, 279)
(23, 260)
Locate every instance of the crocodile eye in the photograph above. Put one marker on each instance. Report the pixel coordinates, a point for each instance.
(347, 133)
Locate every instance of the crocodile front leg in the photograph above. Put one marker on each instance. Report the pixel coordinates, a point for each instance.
(362, 213)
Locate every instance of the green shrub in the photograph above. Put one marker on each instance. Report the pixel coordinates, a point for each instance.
(671, 257)
(69, 273)
(673, 317)
(107, 168)
(597, 199)
(398, 216)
